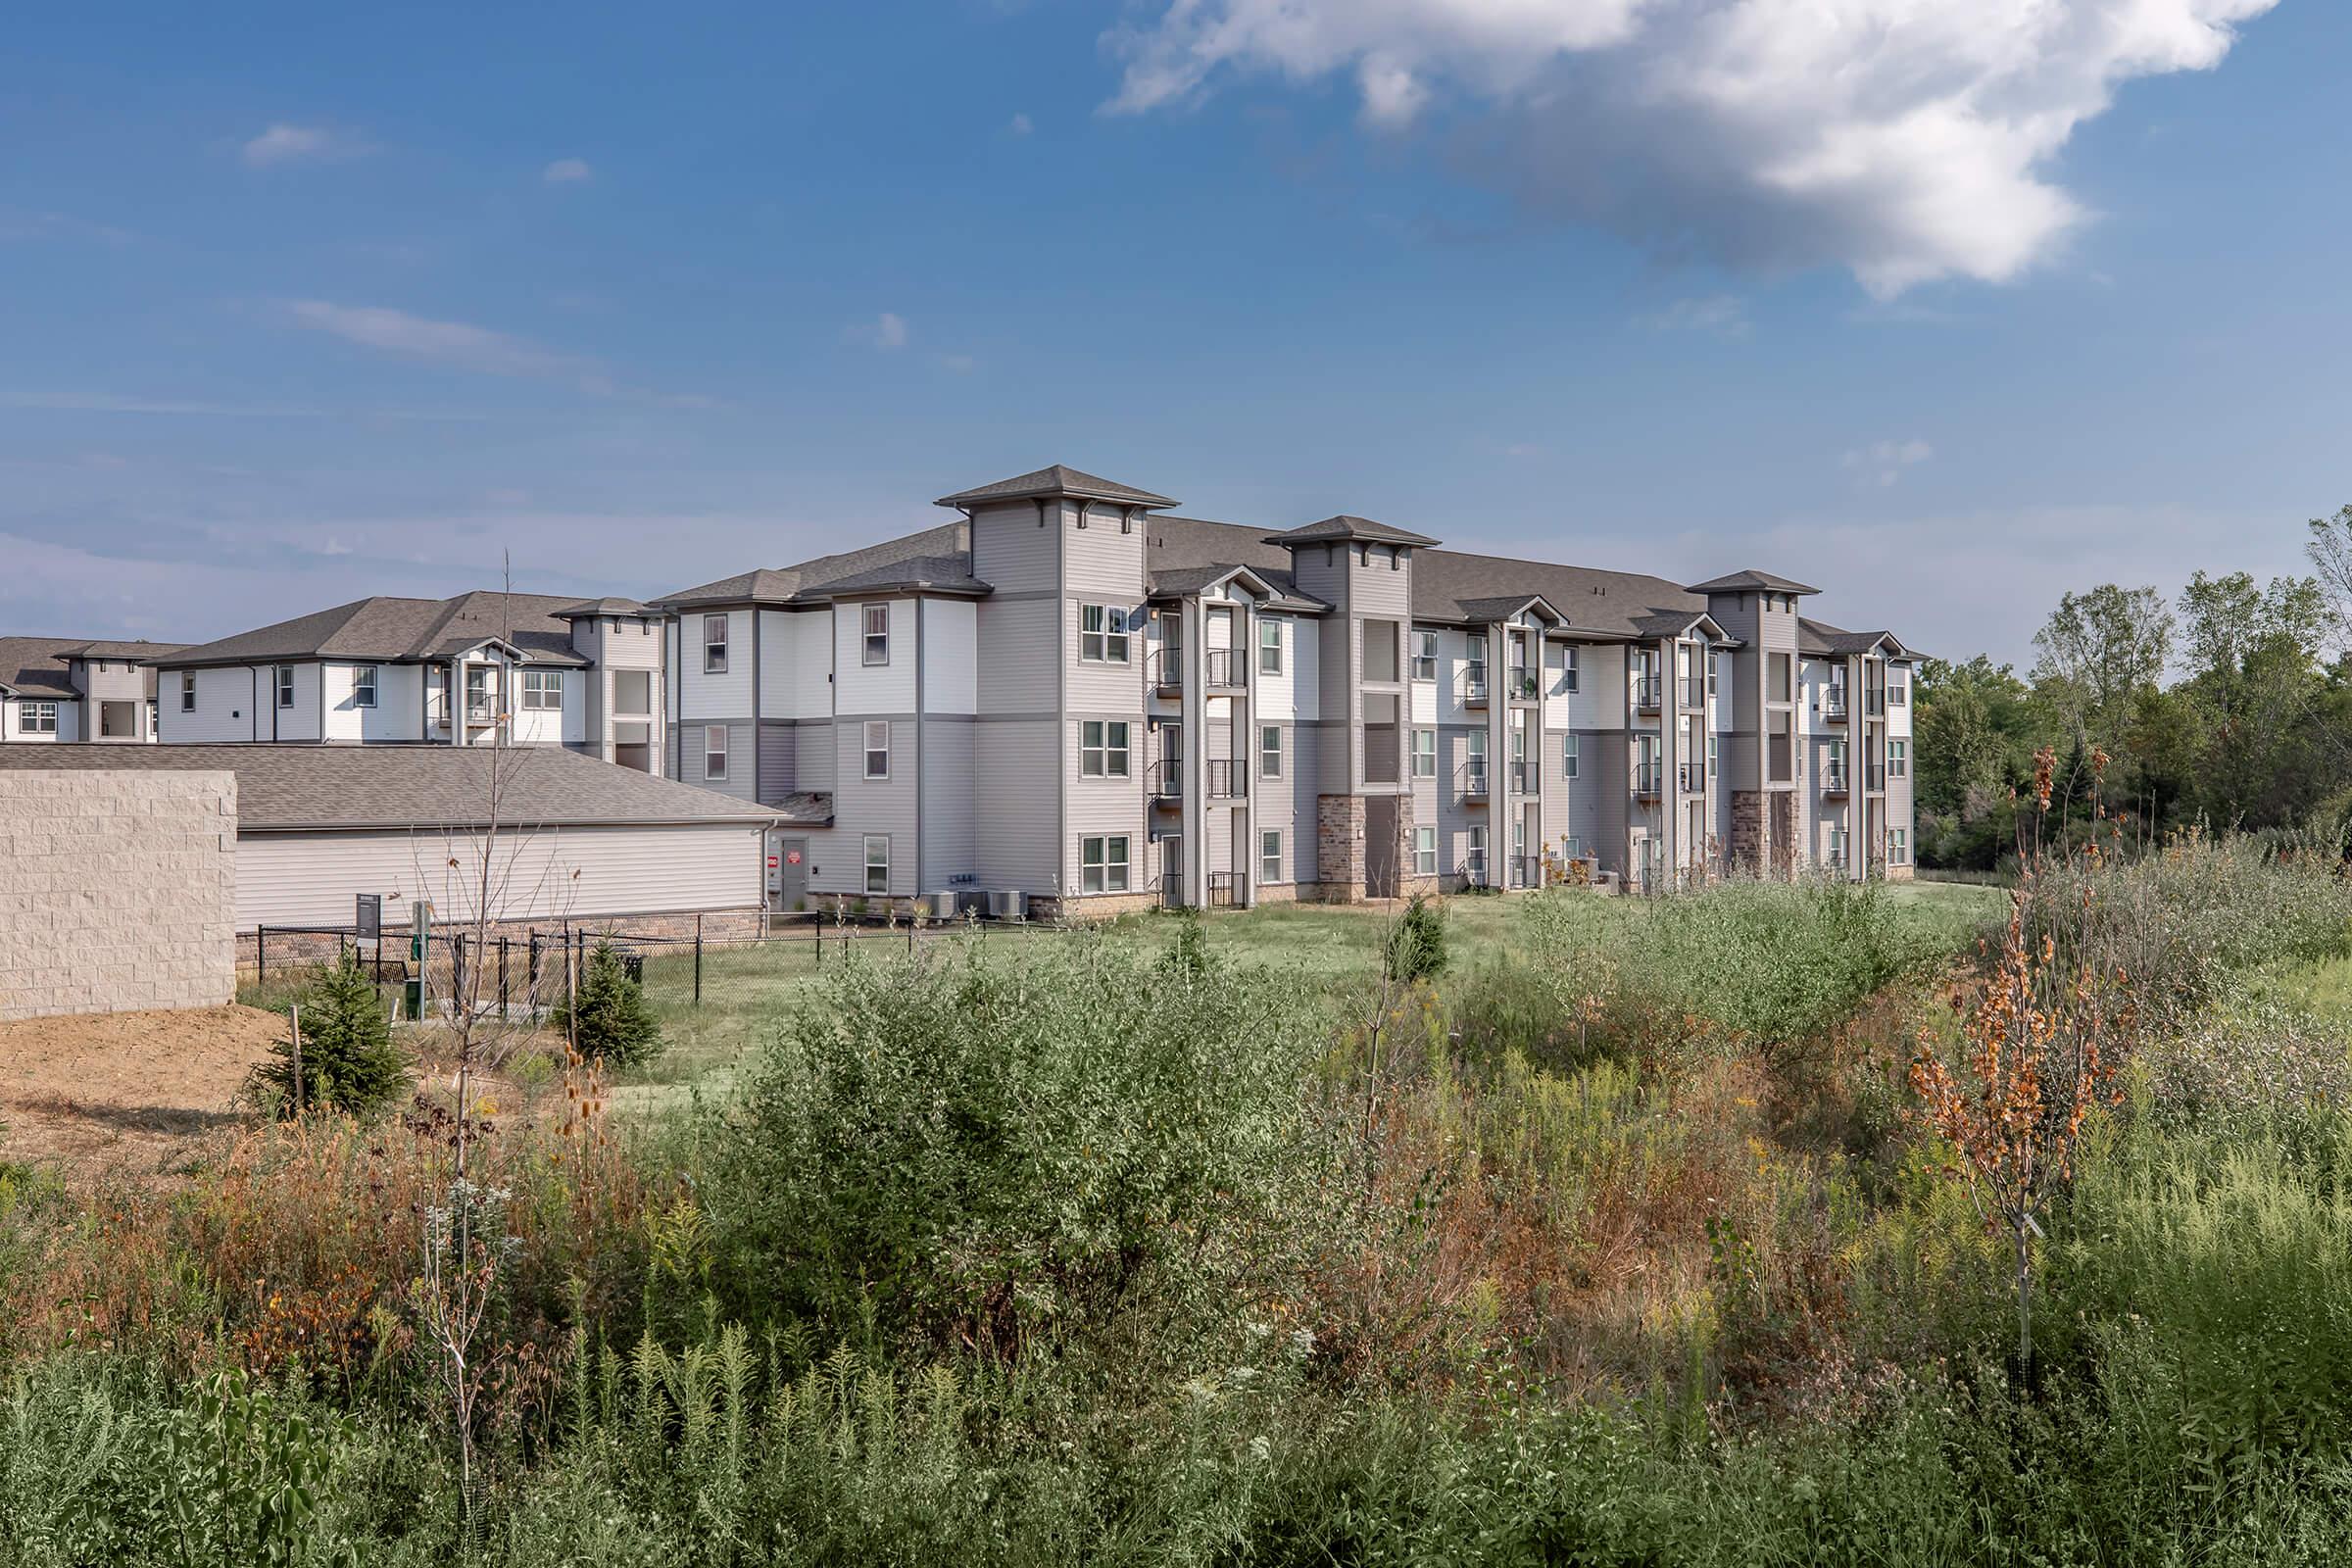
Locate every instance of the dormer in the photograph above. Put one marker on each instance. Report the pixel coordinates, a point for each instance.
(1359, 565)
(1025, 528)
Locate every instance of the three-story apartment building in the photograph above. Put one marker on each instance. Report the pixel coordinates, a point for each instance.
(58, 689)
(482, 668)
(1074, 695)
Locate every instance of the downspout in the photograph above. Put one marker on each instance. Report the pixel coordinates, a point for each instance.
(918, 746)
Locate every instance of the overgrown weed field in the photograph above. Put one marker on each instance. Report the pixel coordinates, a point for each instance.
(1545, 1229)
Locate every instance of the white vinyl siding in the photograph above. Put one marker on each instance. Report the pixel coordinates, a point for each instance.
(363, 686)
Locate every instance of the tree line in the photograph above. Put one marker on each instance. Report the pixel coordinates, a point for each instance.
(2228, 709)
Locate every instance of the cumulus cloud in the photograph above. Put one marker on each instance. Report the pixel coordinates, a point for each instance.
(282, 143)
(1906, 141)
(1882, 462)
(566, 172)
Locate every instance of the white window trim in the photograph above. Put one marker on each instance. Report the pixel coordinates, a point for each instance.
(281, 681)
(187, 691)
(870, 641)
(1270, 646)
(1270, 861)
(365, 679)
(1110, 641)
(1097, 876)
(714, 649)
(1423, 755)
(1571, 670)
(719, 751)
(1428, 640)
(1425, 852)
(1269, 757)
(1095, 757)
(543, 691)
(872, 865)
(1571, 754)
(874, 726)
(36, 718)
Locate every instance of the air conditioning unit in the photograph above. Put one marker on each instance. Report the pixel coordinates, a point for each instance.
(939, 905)
(1007, 905)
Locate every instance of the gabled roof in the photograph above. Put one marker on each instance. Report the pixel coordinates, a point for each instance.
(1193, 546)
(1823, 640)
(1752, 580)
(1678, 623)
(392, 787)
(137, 651)
(796, 584)
(1455, 587)
(598, 608)
(927, 574)
(1331, 530)
(39, 666)
(392, 630)
(1057, 481)
(1503, 606)
(1180, 582)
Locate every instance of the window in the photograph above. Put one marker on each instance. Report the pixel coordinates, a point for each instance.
(877, 862)
(1101, 634)
(1269, 751)
(1379, 649)
(1476, 865)
(1102, 749)
(285, 685)
(362, 688)
(876, 621)
(187, 691)
(1712, 660)
(38, 718)
(1777, 690)
(1714, 754)
(1425, 852)
(1568, 754)
(1102, 864)
(1837, 843)
(715, 751)
(1898, 846)
(1570, 668)
(1269, 856)
(715, 645)
(1898, 759)
(1425, 754)
(1425, 656)
(1895, 693)
(877, 747)
(543, 689)
(1269, 647)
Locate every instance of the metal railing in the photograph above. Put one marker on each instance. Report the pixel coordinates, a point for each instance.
(1529, 870)
(1694, 778)
(1226, 670)
(1228, 780)
(1523, 778)
(1224, 890)
(1833, 781)
(1522, 684)
(1647, 780)
(1695, 692)
(1874, 702)
(1474, 684)
(1470, 780)
(1649, 693)
(1165, 782)
(1878, 777)
(1168, 671)
(1833, 702)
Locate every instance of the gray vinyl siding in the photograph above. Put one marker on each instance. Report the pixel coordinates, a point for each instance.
(812, 754)
(1611, 765)
(865, 806)
(1017, 656)
(1014, 768)
(740, 781)
(950, 791)
(1011, 552)
(779, 760)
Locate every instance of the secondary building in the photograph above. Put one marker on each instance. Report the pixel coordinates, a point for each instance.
(564, 838)
(1075, 694)
(64, 689)
(482, 668)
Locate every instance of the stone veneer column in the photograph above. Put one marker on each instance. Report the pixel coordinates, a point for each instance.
(1340, 847)
(1752, 834)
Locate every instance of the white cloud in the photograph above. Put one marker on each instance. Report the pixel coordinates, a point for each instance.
(960, 364)
(1881, 464)
(566, 172)
(887, 331)
(282, 143)
(1724, 315)
(457, 344)
(1906, 141)
(1020, 126)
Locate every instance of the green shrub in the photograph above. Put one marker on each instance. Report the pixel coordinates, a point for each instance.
(609, 1017)
(984, 1148)
(1414, 945)
(347, 1060)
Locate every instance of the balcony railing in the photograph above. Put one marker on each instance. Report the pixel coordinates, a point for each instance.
(1168, 671)
(1474, 685)
(1527, 871)
(1227, 669)
(1228, 780)
(1224, 890)
(1878, 777)
(1470, 780)
(1523, 778)
(1694, 778)
(1694, 693)
(480, 710)
(1649, 693)
(1832, 704)
(1874, 703)
(1165, 782)
(1833, 781)
(1647, 780)
(1523, 688)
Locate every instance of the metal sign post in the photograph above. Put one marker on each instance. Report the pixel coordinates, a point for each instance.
(421, 939)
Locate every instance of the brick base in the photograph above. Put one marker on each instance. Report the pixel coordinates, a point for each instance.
(1340, 847)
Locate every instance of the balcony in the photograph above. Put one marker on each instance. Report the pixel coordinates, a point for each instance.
(1470, 780)
(1693, 696)
(1168, 671)
(1165, 782)
(481, 709)
(1523, 778)
(1647, 780)
(1832, 704)
(1227, 669)
(1228, 780)
(1649, 694)
(1878, 778)
(1474, 685)
(1874, 703)
(1694, 778)
(1224, 890)
(1833, 781)
(1522, 687)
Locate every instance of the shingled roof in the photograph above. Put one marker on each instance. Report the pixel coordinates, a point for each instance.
(37, 666)
(1057, 481)
(1751, 581)
(1333, 530)
(298, 788)
(389, 631)
(789, 584)
(1820, 638)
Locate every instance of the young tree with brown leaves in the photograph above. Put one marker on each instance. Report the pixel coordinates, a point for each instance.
(2042, 1034)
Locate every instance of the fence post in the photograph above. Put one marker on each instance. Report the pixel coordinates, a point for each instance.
(698, 959)
(502, 975)
(260, 953)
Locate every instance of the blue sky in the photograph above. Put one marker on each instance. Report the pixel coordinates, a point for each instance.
(301, 303)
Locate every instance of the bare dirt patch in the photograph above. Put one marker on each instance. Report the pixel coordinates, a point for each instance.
(130, 1090)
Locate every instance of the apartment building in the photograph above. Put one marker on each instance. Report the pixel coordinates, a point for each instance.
(1076, 695)
(63, 689)
(482, 668)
